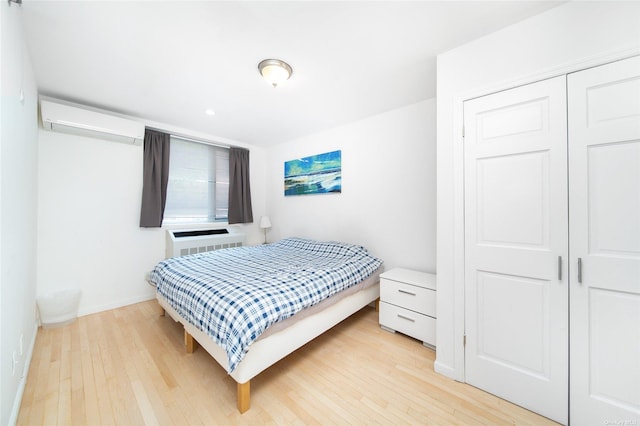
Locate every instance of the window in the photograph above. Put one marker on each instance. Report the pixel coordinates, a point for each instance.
(198, 188)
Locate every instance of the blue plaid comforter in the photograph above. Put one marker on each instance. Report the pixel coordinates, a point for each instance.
(233, 295)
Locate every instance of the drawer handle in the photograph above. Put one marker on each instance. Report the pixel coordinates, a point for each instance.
(406, 292)
(406, 318)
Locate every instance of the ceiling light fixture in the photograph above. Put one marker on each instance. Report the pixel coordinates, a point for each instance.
(275, 71)
(210, 112)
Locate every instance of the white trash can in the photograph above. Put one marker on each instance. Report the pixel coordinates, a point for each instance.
(58, 308)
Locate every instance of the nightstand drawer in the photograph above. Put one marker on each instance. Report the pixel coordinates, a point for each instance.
(413, 324)
(408, 296)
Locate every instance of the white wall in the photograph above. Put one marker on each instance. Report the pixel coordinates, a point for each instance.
(88, 219)
(570, 37)
(387, 202)
(18, 202)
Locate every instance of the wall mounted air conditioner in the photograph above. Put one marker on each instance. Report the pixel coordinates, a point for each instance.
(60, 117)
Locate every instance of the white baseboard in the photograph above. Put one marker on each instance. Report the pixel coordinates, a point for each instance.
(15, 410)
(114, 305)
(444, 369)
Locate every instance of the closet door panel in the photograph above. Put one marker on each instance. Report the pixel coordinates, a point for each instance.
(516, 320)
(614, 204)
(613, 215)
(527, 310)
(513, 214)
(604, 183)
(612, 105)
(609, 370)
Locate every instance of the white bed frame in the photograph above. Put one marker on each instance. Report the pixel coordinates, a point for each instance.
(269, 350)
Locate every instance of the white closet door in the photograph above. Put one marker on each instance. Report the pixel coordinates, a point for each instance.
(516, 319)
(604, 188)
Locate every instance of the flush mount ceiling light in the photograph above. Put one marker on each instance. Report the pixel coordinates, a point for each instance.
(275, 71)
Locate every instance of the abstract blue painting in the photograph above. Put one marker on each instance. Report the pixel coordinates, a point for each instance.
(317, 174)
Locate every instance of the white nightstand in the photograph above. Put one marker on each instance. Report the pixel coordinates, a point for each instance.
(408, 304)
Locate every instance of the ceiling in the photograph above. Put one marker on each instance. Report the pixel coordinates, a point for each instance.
(170, 61)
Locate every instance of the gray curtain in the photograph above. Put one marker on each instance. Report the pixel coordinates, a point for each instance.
(155, 176)
(239, 190)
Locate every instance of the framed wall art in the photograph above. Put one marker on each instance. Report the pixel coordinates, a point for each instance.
(317, 174)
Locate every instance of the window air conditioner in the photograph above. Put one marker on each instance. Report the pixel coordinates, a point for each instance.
(59, 117)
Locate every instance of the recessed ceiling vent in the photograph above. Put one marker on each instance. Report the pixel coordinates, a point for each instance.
(60, 117)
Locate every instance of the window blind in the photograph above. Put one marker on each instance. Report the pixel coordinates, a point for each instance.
(198, 188)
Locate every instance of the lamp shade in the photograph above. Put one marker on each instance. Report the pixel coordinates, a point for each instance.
(265, 222)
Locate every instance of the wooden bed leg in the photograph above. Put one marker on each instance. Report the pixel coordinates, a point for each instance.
(244, 396)
(162, 311)
(378, 304)
(190, 343)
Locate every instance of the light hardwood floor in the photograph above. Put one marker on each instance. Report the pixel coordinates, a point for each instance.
(128, 366)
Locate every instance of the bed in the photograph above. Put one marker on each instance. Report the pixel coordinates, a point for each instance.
(249, 307)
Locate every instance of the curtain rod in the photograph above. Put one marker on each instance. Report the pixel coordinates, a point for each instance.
(190, 139)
